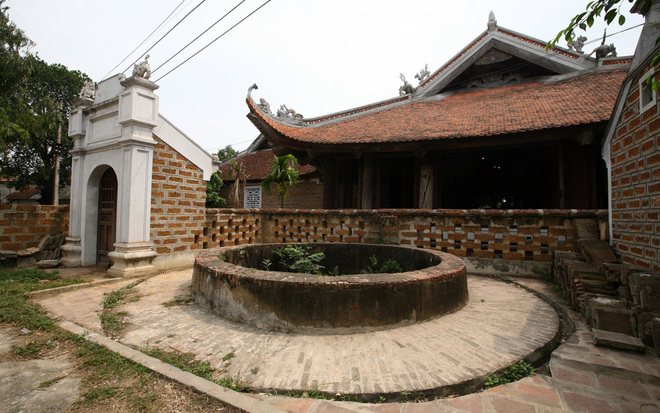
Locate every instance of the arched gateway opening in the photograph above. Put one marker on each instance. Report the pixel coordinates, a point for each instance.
(107, 216)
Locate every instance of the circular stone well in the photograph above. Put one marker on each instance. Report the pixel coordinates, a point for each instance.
(228, 281)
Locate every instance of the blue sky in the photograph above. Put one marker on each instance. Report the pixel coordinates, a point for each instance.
(316, 57)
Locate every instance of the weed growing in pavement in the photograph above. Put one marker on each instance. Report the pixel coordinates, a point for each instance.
(187, 362)
(313, 393)
(512, 373)
(178, 301)
(183, 361)
(112, 321)
(234, 384)
(228, 356)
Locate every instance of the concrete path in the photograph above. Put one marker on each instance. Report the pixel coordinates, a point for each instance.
(24, 384)
(501, 324)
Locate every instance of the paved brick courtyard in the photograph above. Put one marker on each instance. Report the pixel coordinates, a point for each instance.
(501, 324)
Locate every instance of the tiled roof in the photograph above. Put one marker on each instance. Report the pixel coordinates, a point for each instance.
(533, 106)
(24, 194)
(257, 166)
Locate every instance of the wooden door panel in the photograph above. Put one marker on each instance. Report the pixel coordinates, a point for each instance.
(107, 215)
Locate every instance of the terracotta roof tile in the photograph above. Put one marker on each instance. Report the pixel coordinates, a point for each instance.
(534, 106)
(257, 166)
(24, 194)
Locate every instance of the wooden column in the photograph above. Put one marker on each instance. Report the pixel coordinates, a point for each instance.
(329, 176)
(368, 183)
(426, 184)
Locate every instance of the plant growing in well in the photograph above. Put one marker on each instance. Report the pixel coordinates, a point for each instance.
(390, 266)
(299, 258)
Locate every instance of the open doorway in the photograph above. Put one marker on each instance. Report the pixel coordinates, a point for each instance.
(107, 217)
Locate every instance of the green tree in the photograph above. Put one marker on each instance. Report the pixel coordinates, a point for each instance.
(239, 174)
(13, 74)
(283, 174)
(32, 105)
(226, 153)
(213, 198)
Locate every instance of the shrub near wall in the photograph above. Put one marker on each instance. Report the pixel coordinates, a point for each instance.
(23, 226)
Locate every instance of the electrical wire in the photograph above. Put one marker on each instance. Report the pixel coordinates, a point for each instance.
(213, 150)
(214, 40)
(195, 39)
(147, 38)
(162, 37)
(615, 33)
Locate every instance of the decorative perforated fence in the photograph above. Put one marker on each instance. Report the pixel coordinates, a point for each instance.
(515, 235)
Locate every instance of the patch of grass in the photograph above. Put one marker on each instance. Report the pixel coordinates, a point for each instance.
(112, 321)
(105, 363)
(98, 393)
(179, 301)
(24, 280)
(234, 384)
(308, 394)
(52, 381)
(187, 362)
(228, 356)
(183, 361)
(512, 373)
(32, 348)
(255, 370)
(15, 310)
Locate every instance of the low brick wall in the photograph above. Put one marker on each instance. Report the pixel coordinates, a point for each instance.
(23, 226)
(521, 235)
(515, 235)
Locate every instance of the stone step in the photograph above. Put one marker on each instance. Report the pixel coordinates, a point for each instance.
(620, 341)
(592, 357)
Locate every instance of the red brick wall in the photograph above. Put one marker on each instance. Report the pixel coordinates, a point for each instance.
(304, 195)
(23, 226)
(636, 184)
(177, 202)
(307, 194)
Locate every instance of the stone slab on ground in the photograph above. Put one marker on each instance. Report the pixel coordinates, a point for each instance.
(20, 386)
(598, 252)
(617, 340)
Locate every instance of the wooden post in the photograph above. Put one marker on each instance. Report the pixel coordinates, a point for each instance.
(426, 185)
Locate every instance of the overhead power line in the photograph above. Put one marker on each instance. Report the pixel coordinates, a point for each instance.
(147, 38)
(195, 39)
(214, 40)
(165, 35)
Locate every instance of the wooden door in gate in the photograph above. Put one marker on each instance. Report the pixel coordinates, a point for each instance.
(107, 215)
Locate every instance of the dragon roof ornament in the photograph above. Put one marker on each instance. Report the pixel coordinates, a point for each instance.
(284, 114)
